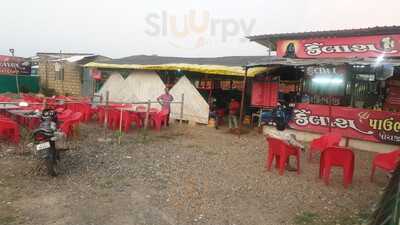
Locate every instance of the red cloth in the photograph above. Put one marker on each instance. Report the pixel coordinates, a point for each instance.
(234, 107)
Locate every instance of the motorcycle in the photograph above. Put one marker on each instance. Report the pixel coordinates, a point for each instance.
(45, 138)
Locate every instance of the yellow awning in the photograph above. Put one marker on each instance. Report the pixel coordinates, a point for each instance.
(208, 69)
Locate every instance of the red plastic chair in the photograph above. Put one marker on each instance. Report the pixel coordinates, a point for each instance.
(281, 151)
(9, 129)
(130, 117)
(338, 157)
(64, 115)
(83, 108)
(60, 110)
(327, 140)
(68, 125)
(158, 119)
(141, 108)
(385, 161)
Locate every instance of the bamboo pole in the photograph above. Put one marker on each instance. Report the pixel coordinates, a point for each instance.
(146, 121)
(242, 100)
(120, 127)
(181, 116)
(330, 114)
(106, 115)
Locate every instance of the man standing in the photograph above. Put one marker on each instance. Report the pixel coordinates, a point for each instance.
(234, 107)
(165, 102)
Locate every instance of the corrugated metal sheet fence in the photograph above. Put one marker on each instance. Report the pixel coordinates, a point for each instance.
(26, 83)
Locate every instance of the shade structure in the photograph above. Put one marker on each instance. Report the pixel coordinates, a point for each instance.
(141, 86)
(195, 108)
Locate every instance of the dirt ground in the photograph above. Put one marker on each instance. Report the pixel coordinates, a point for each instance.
(182, 175)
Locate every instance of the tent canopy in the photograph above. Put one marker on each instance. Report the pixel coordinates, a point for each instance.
(224, 66)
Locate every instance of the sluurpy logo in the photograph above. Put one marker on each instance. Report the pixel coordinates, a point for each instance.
(197, 28)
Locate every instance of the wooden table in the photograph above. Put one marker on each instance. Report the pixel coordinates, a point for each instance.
(8, 106)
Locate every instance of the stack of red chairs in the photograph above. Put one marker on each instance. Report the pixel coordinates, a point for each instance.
(5, 99)
(385, 161)
(338, 157)
(159, 119)
(113, 118)
(327, 140)
(82, 107)
(9, 129)
(31, 99)
(130, 117)
(64, 115)
(141, 108)
(281, 151)
(101, 113)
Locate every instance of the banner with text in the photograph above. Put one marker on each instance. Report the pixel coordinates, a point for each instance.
(345, 47)
(369, 125)
(14, 65)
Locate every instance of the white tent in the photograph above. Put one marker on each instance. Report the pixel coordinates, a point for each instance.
(141, 86)
(113, 85)
(195, 108)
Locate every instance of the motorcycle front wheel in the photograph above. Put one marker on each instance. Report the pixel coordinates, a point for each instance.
(51, 165)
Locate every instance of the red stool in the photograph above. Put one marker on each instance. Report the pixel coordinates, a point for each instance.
(339, 157)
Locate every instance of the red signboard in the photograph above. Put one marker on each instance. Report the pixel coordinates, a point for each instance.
(14, 65)
(264, 94)
(96, 74)
(344, 47)
(377, 126)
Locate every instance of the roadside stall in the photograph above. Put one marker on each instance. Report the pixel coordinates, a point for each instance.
(212, 80)
(349, 83)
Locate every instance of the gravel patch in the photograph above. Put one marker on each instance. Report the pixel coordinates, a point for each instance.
(181, 175)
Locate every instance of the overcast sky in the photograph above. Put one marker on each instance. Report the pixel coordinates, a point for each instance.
(119, 28)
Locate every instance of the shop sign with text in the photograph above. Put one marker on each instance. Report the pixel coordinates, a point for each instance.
(369, 125)
(341, 47)
(14, 65)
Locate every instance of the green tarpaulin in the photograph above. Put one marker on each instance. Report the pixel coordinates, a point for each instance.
(26, 83)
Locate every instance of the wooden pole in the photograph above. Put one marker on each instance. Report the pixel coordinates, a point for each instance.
(16, 77)
(146, 121)
(242, 100)
(120, 127)
(181, 116)
(17, 84)
(106, 115)
(330, 114)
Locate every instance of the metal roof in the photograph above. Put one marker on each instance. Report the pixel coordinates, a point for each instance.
(269, 40)
(160, 60)
(273, 61)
